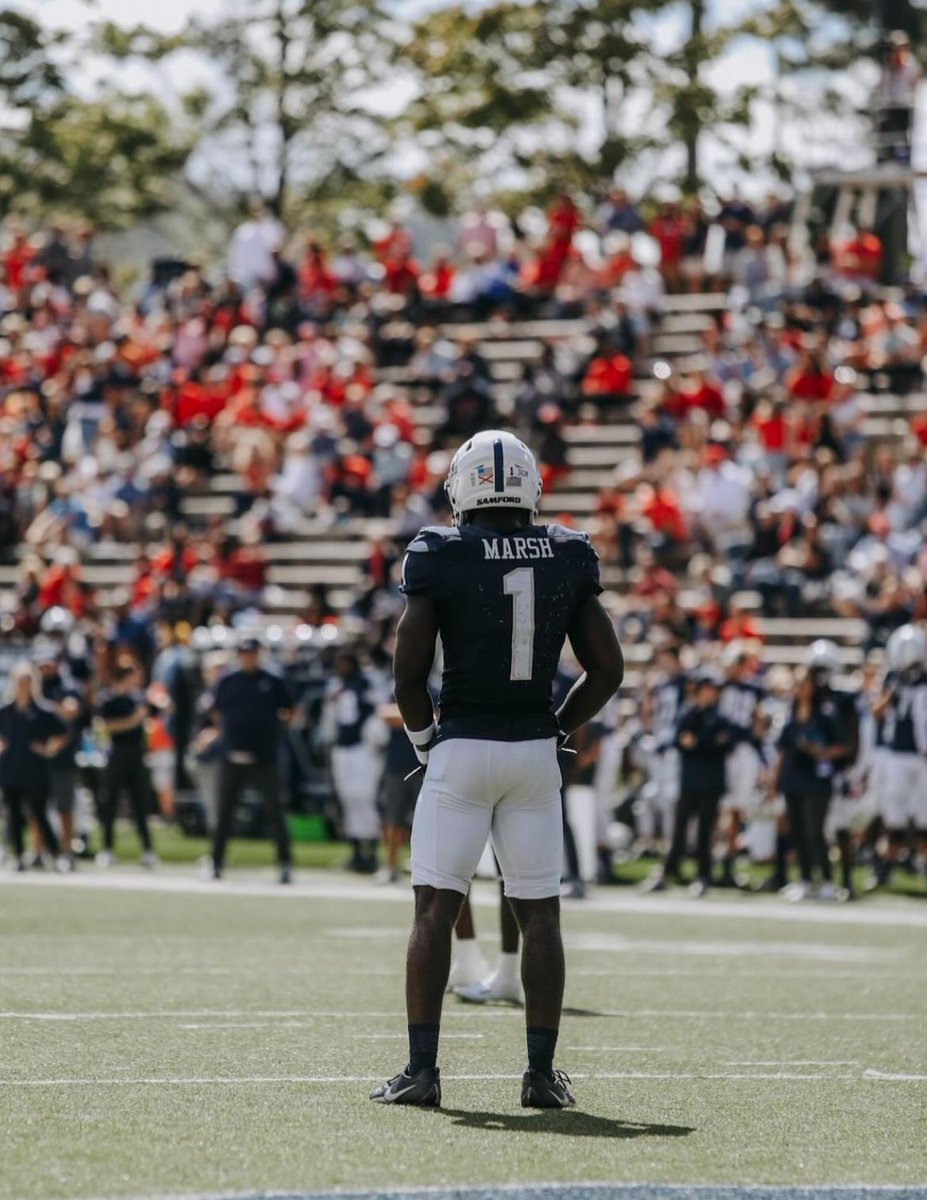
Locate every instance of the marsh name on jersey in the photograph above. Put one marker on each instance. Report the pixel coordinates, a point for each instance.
(502, 625)
(517, 547)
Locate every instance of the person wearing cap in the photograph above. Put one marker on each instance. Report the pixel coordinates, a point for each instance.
(810, 747)
(704, 739)
(253, 708)
(122, 712)
(31, 734)
(63, 694)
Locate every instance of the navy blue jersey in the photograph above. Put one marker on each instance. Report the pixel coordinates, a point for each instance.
(352, 705)
(21, 767)
(906, 719)
(739, 702)
(504, 603)
(843, 709)
(668, 699)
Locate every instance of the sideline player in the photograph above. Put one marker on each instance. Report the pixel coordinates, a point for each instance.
(504, 594)
(841, 707)
(904, 707)
(741, 697)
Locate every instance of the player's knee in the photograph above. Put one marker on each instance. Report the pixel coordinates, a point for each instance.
(538, 918)
(437, 907)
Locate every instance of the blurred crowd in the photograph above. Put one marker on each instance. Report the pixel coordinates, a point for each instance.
(329, 383)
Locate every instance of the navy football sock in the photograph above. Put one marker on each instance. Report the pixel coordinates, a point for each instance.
(423, 1047)
(541, 1046)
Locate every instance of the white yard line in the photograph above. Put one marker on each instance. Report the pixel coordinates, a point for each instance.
(480, 1013)
(792, 1062)
(613, 943)
(627, 1050)
(894, 1076)
(594, 1191)
(236, 1080)
(321, 885)
(906, 973)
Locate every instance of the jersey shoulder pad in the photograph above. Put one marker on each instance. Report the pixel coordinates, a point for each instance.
(422, 566)
(433, 538)
(562, 533)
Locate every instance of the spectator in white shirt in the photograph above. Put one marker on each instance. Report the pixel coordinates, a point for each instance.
(721, 500)
(252, 247)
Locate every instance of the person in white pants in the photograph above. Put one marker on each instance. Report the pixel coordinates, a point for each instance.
(357, 738)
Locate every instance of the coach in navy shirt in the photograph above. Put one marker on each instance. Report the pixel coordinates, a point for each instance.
(30, 734)
(253, 707)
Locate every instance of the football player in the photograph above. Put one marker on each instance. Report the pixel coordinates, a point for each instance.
(503, 593)
(740, 701)
(904, 707)
(841, 707)
(667, 698)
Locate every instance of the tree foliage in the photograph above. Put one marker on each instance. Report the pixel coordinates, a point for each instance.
(510, 97)
(110, 159)
(291, 99)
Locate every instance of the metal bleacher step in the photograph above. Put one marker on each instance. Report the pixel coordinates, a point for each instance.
(307, 574)
(790, 630)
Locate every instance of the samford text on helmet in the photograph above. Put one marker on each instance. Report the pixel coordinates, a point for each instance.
(824, 658)
(907, 650)
(493, 470)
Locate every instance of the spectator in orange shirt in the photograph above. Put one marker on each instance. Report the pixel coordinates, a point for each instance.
(698, 392)
(740, 626)
(18, 257)
(861, 257)
(810, 379)
(402, 274)
(316, 281)
(669, 229)
(607, 378)
(660, 506)
(436, 282)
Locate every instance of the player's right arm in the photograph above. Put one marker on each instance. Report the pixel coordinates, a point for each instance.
(416, 636)
(598, 652)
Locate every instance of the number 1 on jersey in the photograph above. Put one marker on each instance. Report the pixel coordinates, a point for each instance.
(520, 586)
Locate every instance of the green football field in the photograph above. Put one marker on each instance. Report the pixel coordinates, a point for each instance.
(164, 1037)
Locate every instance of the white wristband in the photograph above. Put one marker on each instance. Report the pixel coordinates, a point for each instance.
(422, 737)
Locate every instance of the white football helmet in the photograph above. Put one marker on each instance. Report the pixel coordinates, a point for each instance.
(824, 656)
(907, 648)
(493, 470)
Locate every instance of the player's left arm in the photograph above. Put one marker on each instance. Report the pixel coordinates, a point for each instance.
(416, 636)
(598, 651)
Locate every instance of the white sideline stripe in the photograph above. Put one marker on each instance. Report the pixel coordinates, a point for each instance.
(817, 952)
(480, 1013)
(905, 975)
(634, 1050)
(592, 1191)
(325, 885)
(232, 1080)
(791, 1062)
(135, 971)
(908, 975)
(251, 1025)
(390, 1037)
(894, 1077)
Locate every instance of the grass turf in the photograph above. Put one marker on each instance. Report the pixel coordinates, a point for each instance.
(166, 1042)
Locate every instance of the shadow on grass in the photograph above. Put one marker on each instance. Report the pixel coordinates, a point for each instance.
(570, 1123)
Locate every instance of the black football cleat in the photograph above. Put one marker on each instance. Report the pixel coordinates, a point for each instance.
(542, 1090)
(423, 1088)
